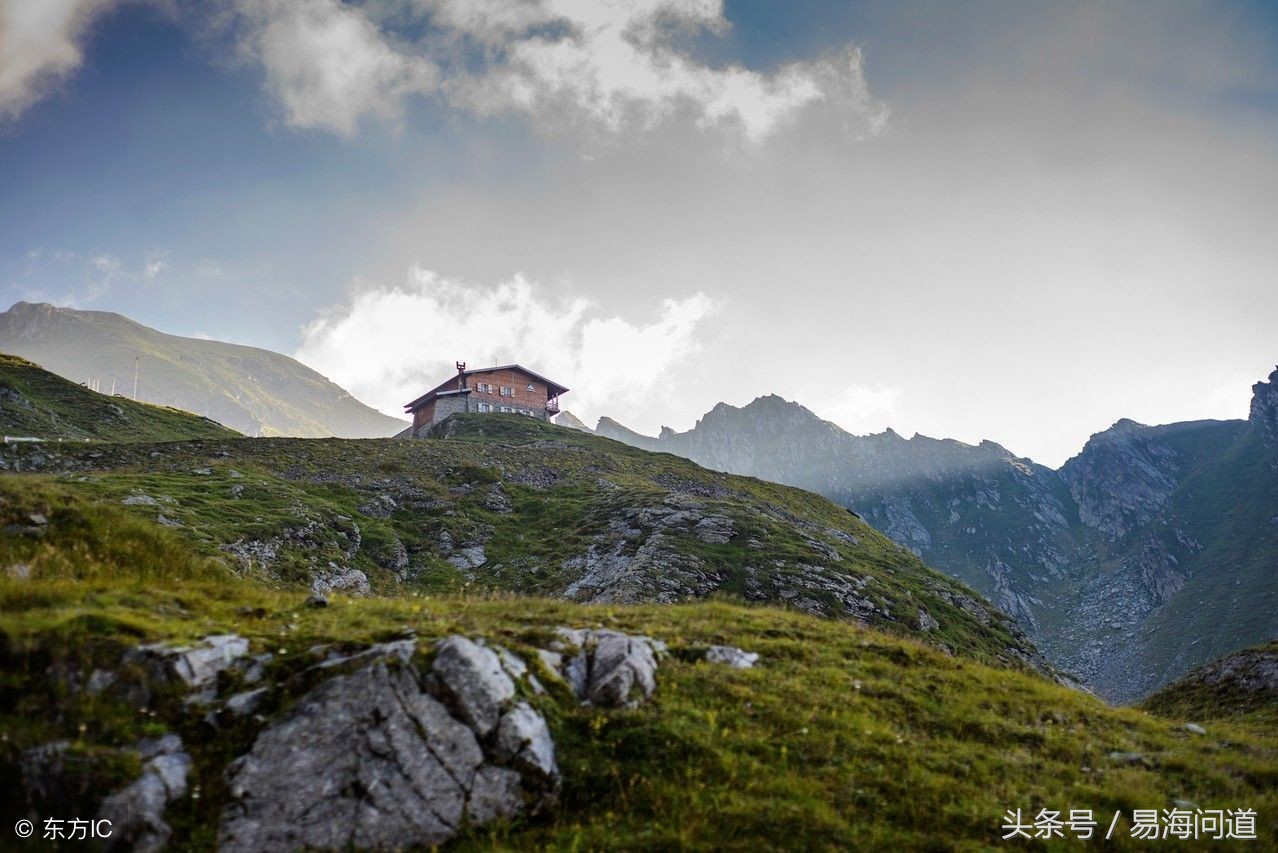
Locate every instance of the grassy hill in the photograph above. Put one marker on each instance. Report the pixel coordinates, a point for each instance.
(254, 391)
(843, 736)
(513, 505)
(1239, 687)
(36, 403)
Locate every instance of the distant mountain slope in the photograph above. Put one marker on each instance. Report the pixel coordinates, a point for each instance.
(35, 403)
(1153, 550)
(255, 391)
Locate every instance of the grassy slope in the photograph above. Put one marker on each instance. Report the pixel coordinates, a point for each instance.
(1228, 502)
(35, 402)
(254, 390)
(306, 502)
(1240, 687)
(843, 737)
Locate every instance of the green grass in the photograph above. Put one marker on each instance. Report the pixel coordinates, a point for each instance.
(565, 490)
(1237, 688)
(36, 403)
(843, 737)
(846, 736)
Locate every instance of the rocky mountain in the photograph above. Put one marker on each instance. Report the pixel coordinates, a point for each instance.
(1152, 550)
(251, 390)
(35, 403)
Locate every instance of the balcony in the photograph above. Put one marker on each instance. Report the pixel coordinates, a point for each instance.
(552, 407)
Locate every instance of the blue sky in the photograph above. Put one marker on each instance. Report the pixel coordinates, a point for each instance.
(1005, 220)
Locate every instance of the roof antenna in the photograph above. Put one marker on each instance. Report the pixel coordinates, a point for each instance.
(461, 375)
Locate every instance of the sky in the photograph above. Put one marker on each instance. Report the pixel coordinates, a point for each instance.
(1013, 221)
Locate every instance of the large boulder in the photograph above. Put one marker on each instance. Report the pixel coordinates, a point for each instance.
(393, 760)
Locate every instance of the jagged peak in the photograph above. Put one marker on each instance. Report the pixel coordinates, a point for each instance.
(1264, 407)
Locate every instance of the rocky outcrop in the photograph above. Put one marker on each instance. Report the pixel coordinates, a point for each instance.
(607, 668)
(195, 667)
(136, 812)
(1122, 478)
(1264, 409)
(395, 759)
(639, 556)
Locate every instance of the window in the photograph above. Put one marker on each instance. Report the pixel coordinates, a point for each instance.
(507, 392)
(485, 388)
(507, 409)
(485, 407)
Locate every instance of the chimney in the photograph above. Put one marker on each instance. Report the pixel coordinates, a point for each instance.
(461, 375)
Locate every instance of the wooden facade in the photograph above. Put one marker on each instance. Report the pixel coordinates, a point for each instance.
(508, 389)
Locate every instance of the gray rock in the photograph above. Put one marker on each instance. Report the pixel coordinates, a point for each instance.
(511, 662)
(495, 795)
(552, 661)
(317, 599)
(496, 500)
(1127, 757)
(99, 681)
(136, 811)
(1195, 729)
(731, 656)
(926, 621)
(524, 741)
(401, 649)
(140, 500)
(610, 669)
(196, 667)
(200, 665)
(341, 579)
(18, 571)
(715, 529)
(472, 682)
(469, 558)
(379, 506)
(245, 703)
(387, 765)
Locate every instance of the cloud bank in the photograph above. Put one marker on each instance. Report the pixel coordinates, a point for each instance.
(40, 45)
(387, 345)
(607, 67)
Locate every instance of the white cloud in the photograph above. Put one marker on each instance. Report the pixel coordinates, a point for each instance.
(388, 345)
(154, 267)
(856, 407)
(328, 64)
(40, 44)
(611, 66)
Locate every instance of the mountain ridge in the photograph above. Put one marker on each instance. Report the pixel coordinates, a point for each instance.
(1092, 557)
(250, 389)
